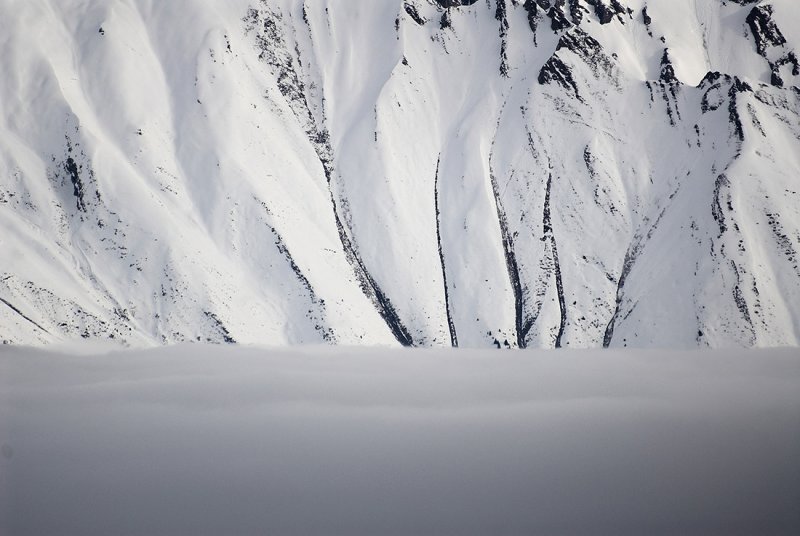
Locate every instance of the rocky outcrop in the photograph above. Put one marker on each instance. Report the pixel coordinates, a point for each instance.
(771, 44)
(585, 47)
(606, 10)
(719, 88)
(765, 31)
(455, 3)
(667, 70)
(412, 12)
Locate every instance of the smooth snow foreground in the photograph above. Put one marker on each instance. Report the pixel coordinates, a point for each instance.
(207, 440)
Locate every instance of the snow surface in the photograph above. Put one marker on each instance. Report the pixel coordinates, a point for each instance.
(287, 171)
(195, 440)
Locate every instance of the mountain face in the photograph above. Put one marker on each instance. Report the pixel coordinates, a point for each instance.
(514, 173)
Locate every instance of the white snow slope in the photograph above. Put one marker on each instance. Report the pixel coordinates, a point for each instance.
(591, 173)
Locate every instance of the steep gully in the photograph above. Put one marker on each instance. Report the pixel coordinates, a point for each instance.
(274, 52)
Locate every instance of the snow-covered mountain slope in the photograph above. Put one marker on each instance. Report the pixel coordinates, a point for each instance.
(539, 173)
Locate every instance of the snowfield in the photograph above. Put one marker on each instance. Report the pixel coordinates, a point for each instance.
(415, 172)
(200, 440)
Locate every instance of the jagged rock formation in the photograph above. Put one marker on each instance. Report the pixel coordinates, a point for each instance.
(508, 173)
(771, 44)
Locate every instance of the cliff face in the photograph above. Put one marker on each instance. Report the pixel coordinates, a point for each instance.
(422, 172)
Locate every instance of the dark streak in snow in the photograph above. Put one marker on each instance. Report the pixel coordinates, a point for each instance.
(77, 186)
(220, 327)
(450, 323)
(512, 267)
(631, 255)
(326, 333)
(741, 303)
(23, 315)
(548, 232)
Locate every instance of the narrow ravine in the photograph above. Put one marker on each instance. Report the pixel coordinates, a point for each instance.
(512, 266)
(547, 225)
(627, 264)
(274, 52)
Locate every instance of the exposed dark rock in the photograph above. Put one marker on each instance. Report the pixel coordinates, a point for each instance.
(714, 97)
(754, 120)
(667, 70)
(606, 10)
(792, 59)
(450, 323)
(220, 328)
(77, 185)
(585, 47)
(547, 227)
(23, 315)
(558, 19)
(739, 299)
(721, 185)
(532, 8)
(669, 94)
(788, 59)
(765, 32)
(455, 3)
(414, 14)
(502, 17)
(633, 252)
(555, 70)
(627, 264)
(576, 11)
(317, 315)
(768, 36)
(604, 14)
(710, 78)
(782, 240)
(445, 22)
(775, 78)
(500, 12)
(737, 87)
(522, 326)
(648, 20)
